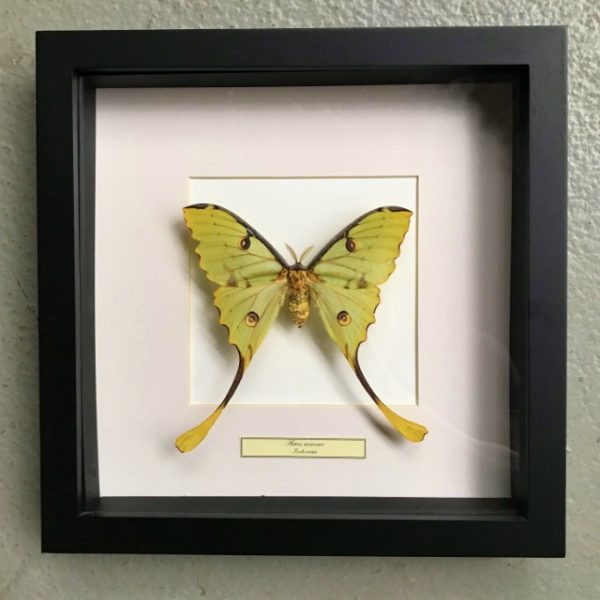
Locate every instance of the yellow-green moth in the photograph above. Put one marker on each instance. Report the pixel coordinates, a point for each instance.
(254, 281)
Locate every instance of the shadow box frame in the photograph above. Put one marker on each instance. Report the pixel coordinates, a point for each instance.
(75, 518)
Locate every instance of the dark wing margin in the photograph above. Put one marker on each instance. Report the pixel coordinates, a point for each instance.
(344, 232)
(247, 226)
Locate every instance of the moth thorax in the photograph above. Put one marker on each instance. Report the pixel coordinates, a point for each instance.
(299, 300)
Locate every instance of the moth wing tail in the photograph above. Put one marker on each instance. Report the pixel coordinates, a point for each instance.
(413, 432)
(190, 439)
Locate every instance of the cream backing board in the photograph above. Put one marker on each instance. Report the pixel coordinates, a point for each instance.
(150, 142)
(303, 212)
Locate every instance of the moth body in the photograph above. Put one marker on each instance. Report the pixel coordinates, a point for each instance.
(299, 299)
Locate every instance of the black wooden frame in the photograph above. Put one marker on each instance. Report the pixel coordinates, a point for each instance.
(71, 65)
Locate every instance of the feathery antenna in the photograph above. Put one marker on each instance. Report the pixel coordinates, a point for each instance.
(292, 252)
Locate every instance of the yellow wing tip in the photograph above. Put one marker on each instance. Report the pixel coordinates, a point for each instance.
(413, 432)
(190, 439)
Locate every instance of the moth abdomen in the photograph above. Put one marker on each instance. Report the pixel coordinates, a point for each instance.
(299, 300)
